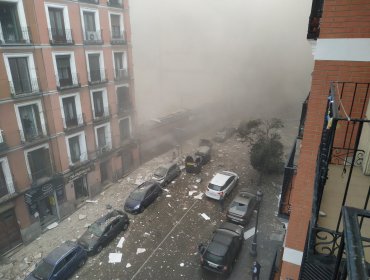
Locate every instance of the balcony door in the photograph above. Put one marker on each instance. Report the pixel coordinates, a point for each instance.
(64, 70)
(102, 141)
(39, 163)
(3, 184)
(57, 24)
(74, 148)
(31, 124)
(118, 65)
(98, 103)
(116, 27)
(10, 22)
(124, 127)
(20, 74)
(70, 114)
(123, 99)
(94, 64)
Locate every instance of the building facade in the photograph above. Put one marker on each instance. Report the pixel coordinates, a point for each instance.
(325, 194)
(67, 118)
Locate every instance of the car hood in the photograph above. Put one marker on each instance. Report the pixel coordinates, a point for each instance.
(131, 203)
(236, 212)
(88, 240)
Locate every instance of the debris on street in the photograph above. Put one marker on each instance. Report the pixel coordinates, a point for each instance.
(199, 196)
(53, 225)
(115, 257)
(140, 250)
(205, 216)
(120, 242)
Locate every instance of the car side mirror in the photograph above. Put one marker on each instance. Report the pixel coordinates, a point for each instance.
(201, 248)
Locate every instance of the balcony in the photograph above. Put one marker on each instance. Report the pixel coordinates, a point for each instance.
(24, 88)
(18, 36)
(90, 1)
(75, 162)
(342, 181)
(314, 20)
(3, 145)
(6, 191)
(115, 3)
(70, 81)
(105, 150)
(93, 37)
(118, 37)
(32, 136)
(58, 37)
(101, 116)
(121, 75)
(41, 175)
(72, 124)
(97, 76)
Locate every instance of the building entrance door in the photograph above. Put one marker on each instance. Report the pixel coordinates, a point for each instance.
(10, 235)
(47, 209)
(103, 171)
(80, 186)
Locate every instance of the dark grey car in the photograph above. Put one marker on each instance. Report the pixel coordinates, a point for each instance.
(241, 208)
(164, 174)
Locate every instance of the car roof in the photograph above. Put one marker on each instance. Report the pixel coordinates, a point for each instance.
(220, 243)
(220, 178)
(146, 185)
(108, 218)
(230, 228)
(59, 252)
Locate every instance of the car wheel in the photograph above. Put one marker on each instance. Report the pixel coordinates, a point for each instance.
(125, 226)
(82, 263)
(98, 249)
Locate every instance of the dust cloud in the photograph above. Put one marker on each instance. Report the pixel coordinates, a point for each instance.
(252, 56)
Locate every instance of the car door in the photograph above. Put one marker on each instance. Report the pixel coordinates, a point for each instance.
(116, 227)
(148, 196)
(228, 185)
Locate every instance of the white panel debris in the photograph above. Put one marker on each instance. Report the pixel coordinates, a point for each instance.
(205, 216)
(120, 242)
(168, 195)
(249, 233)
(192, 192)
(115, 257)
(199, 196)
(128, 265)
(140, 250)
(53, 225)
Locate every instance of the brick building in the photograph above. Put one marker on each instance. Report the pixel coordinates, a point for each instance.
(67, 118)
(325, 194)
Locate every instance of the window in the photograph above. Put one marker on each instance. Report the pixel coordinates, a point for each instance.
(58, 24)
(125, 129)
(116, 26)
(39, 163)
(92, 32)
(71, 110)
(103, 137)
(102, 142)
(6, 181)
(64, 70)
(31, 122)
(96, 73)
(13, 23)
(74, 148)
(120, 65)
(124, 103)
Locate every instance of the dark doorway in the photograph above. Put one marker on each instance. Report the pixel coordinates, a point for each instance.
(80, 186)
(127, 162)
(103, 171)
(10, 235)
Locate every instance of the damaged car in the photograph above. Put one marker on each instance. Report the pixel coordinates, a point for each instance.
(220, 253)
(204, 150)
(164, 174)
(142, 197)
(103, 231)
(241, 208)
(222, 184)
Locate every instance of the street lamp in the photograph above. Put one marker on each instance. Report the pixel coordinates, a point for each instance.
(253, 250)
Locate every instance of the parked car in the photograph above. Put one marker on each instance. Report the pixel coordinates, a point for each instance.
(60, 263)
(166, 173)
(204, 150)
(241, 208)
(220, 253)
(142, 197)
(222, 184)
(104, 230)
(223, 134)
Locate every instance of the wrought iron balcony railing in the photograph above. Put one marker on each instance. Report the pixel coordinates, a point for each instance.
(32, 135)
(78, 159)
(121, 75)
(314, 20)
(60, 37)
(97, 76)
(102, 114)
(93, 37)
(39, 175)
(118, 37)
(24, 87)
(303, 118)
(115, 3)
(15, 36)
(70, 80)
(72, 122)
(104, 149)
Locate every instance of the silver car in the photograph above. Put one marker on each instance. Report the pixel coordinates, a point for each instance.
(166, 173)
(222, 184)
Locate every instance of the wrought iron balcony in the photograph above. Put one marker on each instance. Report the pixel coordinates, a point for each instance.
(60, 37)
(90, 1)
(303, 118)
(18, 36)
(73, 122)
(121, 75)
(78, 160)
(314, 20)
(118, 37)
(93, 37)
(24, 88)
(97, 76)
(115, 3)
(32, 135)
(71, 80)
(41, 175)
(101, 115)
(104, 149)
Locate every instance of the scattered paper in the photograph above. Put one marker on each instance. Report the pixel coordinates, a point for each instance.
(205, 216)
(181, 264)
(120, 242)
(168, 195)
(128, 265)
(199, 196)
(91, 201)
(195, 187)
(169, 205)
(146, 234)
(53, 225)
(192, 192)
(115, 257)
(166, 190)
(140, 250)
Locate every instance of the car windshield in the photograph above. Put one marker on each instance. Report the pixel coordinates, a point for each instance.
(96, 230)
(43, 270)
(213, 258)
(239, 206)
(214, 187)
(160, 172)
(138, 194)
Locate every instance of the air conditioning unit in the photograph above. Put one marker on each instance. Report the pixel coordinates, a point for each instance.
(92, 36)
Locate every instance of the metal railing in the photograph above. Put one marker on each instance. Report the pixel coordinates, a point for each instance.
(115, 3)
(60, 37)
(73, 121)
(118, 36)
(2, 138)
(31, 135)
(93, 37)
(71, 81)
(19, 88)
(78, 159)
(102, 114)
(303, 118)
(20, 35)
(104, 149)
(43, 173)
(121, 75)
(90, 1)
(97, 76)
(314, 21)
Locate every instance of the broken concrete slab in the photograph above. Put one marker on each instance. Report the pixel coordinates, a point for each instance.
(115, 257)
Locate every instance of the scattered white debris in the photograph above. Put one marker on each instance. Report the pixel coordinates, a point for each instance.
(91, 201)
(192, 192)
(205, 216)
(140, 250)
(166, 190)
(53, 225)
(195, 187)
(168, 195)
(100, 263)
(128, 265)
(115, 257)
(181, 264)
(184, 208)
(199, 196)
(69, 219)
(322, 214)
(249, 233)
(120, 242)
(81, 217)
(173, 182)
(87, 225)
(169, 205)
(198, 180)
(139, 181)
(182, 167)
(146, 234)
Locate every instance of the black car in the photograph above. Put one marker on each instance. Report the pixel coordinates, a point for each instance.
(241, 208)
(104, 230)
(142, 197)
(220, 253)
(60, 263)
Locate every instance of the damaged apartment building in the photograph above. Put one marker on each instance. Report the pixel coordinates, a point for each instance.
(67, 118)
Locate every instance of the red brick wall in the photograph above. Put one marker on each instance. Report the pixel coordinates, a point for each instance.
(345, 19)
